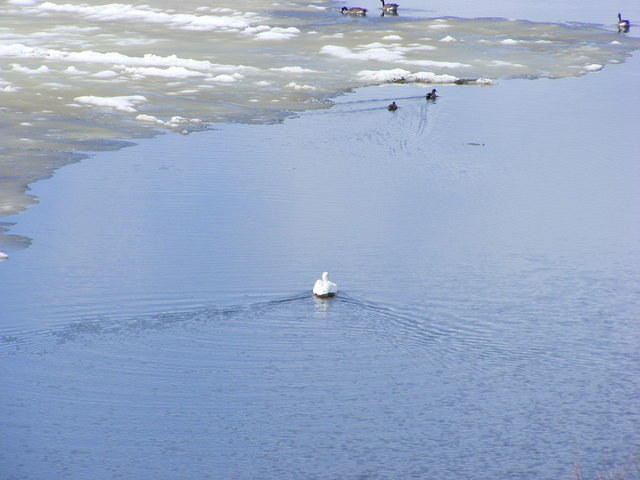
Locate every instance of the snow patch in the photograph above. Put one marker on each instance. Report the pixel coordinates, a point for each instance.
(74, 71)
(297, 86)
(9, 89)
(169, 72)
(278, 33)
(125, 103)
(379, 54)
(118, 12)
(16, 67)
(225, 78)
(18, 50)
(502, 63)
(173, 122)
(104, 74)
(396, 75)
(295, 69)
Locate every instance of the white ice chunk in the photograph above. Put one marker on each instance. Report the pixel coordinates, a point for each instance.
(125, 103)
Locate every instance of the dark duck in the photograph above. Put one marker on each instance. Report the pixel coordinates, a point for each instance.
(623, 25)
(389, 8)
(354, 11)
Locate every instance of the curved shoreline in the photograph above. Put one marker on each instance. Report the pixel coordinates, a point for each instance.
(64, 101)
(15, 196)
(72, 90)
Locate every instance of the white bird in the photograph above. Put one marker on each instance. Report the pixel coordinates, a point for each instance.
(3, 256)
(324, 288)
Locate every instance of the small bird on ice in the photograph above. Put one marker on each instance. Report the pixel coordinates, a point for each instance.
(3, 256)
(392, 107)
(324, 287)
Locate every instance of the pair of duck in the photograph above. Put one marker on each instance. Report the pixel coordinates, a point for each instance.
(432, 95)
(389, 8)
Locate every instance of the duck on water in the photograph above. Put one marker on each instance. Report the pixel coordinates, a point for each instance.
(389, 8)
(324, 288)
(623, 25)
(354, 11)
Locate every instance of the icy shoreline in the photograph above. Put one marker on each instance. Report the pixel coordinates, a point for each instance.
(86, 77)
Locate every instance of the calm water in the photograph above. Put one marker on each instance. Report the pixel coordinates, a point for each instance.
(487, 249)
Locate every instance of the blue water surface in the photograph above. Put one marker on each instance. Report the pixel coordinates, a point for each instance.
(486, 247)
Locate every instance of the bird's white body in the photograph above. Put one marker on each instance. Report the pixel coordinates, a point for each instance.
(3, 256)
(324, 287)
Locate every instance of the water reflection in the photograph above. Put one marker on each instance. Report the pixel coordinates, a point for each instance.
(12, 242)
(322, 305)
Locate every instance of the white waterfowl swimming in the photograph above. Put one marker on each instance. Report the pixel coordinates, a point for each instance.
(324, 287)
(3, 256)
